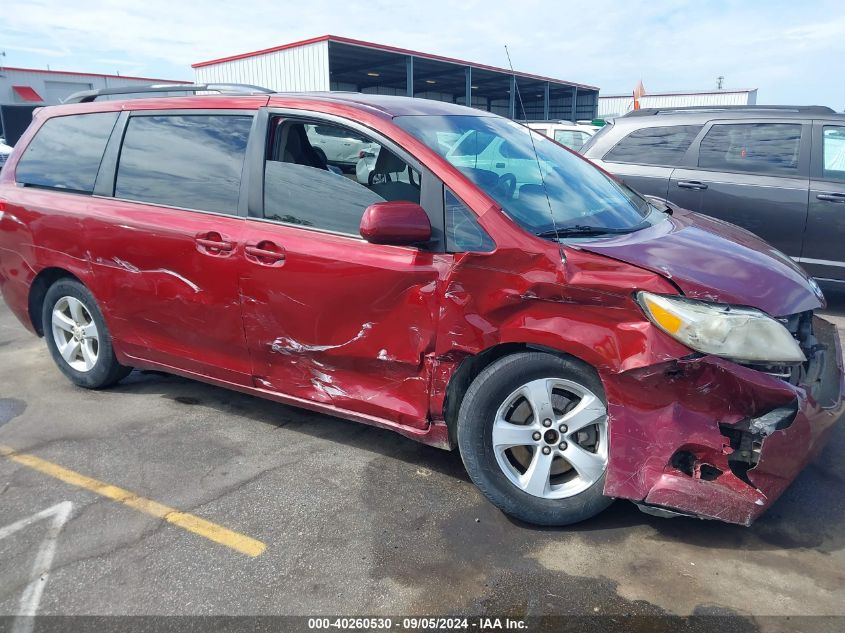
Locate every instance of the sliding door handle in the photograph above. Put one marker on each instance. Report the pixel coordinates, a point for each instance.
(691, 184)
(265, 253)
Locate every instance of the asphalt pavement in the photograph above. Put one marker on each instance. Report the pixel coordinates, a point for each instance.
(167, 496)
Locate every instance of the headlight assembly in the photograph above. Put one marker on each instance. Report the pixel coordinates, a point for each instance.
(738, 333)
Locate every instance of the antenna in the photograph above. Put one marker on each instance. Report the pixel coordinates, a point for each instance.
(531, 136)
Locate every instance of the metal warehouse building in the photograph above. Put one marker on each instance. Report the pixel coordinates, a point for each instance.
(338, 63)
(617, 105)
(24, 89)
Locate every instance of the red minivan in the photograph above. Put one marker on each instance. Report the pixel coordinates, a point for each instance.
(471, 285)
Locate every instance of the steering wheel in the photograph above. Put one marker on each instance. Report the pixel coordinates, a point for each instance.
(506, 186)
(378, 179)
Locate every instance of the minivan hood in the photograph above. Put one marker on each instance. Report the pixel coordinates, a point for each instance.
(713, 260)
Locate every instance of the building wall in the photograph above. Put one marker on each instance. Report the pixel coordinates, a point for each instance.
(620, 104)
(55, 86)
(302, 68)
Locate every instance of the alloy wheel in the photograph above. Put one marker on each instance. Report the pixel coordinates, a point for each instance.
(550, 438)
(75, 334)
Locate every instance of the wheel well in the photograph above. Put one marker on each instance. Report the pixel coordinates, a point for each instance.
(38, 290)
(469, 369)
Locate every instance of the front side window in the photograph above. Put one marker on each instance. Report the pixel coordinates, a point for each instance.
(654, 145)
(311, 185)
(763, 148)
(547, 189)
(66, 152)
(463, 232)
(190, 161)
(834, 152)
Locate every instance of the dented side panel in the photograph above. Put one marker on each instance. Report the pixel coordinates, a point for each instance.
(343, 322)
(563, 300)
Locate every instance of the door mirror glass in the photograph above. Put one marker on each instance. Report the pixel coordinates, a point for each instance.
(396, 223)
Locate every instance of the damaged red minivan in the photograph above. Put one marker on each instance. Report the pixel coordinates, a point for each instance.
(466, 283)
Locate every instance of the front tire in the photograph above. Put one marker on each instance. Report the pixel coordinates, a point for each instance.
(77, 336)
(532, 431)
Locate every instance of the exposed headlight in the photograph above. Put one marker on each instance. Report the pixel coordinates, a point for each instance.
(743, 334)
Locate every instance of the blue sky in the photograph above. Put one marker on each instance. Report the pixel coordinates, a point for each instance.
(791, 51)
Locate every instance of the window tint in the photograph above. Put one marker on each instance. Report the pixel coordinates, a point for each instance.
(834, 152)
(755, 147)
(463, 233)
(304, 185)
(191, 161)
(571, 138)
(654, 145)
(66, 152)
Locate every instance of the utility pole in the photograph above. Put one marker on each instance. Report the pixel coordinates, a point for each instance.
(720, 82)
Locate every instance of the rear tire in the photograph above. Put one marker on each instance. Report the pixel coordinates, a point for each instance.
(77, 336)
(532, 431)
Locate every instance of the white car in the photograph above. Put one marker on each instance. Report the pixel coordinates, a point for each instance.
(5, 150)
(568, 134)
(338, 147)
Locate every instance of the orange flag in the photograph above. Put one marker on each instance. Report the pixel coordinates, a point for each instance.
(639, 92)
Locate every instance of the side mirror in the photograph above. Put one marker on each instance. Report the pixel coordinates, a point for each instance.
(396, 223)
(659, 203)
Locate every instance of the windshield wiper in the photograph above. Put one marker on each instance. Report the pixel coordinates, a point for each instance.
(583, 230)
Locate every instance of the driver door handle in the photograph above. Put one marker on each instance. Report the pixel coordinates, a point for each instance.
(831, 197)
(691, 184)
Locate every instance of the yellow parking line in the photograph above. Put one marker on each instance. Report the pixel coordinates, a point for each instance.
(206, 529)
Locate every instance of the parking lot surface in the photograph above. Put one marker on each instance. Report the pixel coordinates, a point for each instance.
(145, 489)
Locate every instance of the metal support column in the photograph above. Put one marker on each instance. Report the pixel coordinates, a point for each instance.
(546, 91)
(574, 102)
(468, 93)
(512, 101)
(409, 75)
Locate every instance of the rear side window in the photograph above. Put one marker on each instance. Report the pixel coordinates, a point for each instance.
(834, 152)
(188, 161)
(654, 145)
(572, 139)
(763, 148)
(66, 152)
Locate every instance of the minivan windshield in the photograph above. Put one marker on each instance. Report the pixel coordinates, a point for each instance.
(552, 193)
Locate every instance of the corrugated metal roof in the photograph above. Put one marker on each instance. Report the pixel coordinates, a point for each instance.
(384, 47)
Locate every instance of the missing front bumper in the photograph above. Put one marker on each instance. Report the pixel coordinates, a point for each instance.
(710, 438)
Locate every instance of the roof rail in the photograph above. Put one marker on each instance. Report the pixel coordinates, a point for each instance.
(86, 96)
(716, 108)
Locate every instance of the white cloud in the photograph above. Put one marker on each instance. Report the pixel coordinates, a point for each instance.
(782, 48)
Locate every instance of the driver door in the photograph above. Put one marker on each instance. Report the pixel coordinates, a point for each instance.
(330, 318)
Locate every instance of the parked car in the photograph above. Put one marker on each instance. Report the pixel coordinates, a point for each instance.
(778, 171)
(5, 151)
(576, 341)
(572, 135)
(338, 147)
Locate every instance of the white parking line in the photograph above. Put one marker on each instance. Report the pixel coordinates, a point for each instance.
(31, 597)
